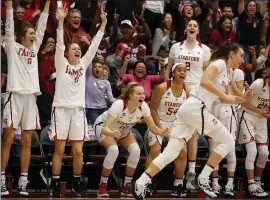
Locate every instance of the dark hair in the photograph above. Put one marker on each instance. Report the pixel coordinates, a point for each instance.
(128, 90)
(258, 74)
(23, 4)
(249, 2)
(185, 35)
(163, 26)
(227, 5)
(223, 51)
(21, 33)
(220, 22)
(137, 62)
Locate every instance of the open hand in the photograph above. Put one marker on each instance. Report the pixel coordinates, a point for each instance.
(63, 11)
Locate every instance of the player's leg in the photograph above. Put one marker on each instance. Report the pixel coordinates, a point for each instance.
(155, 142)
(131, 145)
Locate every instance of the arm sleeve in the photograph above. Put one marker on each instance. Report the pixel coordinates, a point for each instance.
(173, 49)
(111, 99)
(239, 75)
(257, 86)
(92, 50)
(9, 37)
(60, 49)
(220, 65)
(157, 41)
(145, 110)
(116, 108)
(42, 24)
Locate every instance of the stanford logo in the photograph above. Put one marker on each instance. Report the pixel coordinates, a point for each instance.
(123, 114)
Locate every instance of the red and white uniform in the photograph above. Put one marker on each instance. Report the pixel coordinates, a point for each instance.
(227, 113)
(193, 59)
(123, 121)
(68, 114)
(167, 109)
(22, 81)
(253, 125)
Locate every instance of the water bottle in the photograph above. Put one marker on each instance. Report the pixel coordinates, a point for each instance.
(18, 134)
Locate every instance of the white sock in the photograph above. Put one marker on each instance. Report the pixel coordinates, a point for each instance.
(128, 179)
(177, 182)
(230, 180)
(23, 176)
(257, 179)
(215, 180)
(250, 181)
(144, 179)
(3, 174)
(207, 170)
(191, 167)
(104, 179)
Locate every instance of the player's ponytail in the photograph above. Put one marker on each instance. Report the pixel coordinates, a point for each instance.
(129, 90)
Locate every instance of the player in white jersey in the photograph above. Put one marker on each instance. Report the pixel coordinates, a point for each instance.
(20, 108)
(227, 114)
(254, 134)
(166, 99)
(194, 54)
(68, 113)
(112, 128)
(195, 114)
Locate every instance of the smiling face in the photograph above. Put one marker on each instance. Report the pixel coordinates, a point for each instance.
(73, 54)
(137, 95)
(51, 42)
(167, 20)
(227, 11)
(251, 8)
(74, 19)
(226, 25)
(140, 70)
(29, 37)
(192, 29)
(98, 70)
(180, 73)
(19, 13)
(188, 11)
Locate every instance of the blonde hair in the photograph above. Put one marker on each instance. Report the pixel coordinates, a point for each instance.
(129, 90)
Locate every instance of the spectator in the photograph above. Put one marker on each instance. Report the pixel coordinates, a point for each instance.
(32, 10)
(19, 14)
(164, 36)
(223, 33)
(227, 10)
(98, 92)
(73, 33)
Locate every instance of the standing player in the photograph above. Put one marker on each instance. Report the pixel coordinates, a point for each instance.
(254, 135)
(227, 114)
(195, 114)
(112, 128)
(194, 54)
(166, 99)
(20, 107)
(68, 113)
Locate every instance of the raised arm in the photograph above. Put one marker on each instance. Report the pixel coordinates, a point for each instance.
(42, 24)
(263, 8)
(9, 37)
(92, 50)
(241, 6)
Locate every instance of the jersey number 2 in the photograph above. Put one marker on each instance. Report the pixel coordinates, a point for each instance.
(188, 66)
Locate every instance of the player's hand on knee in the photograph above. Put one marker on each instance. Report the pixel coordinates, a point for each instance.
(116, 134)
(166, 132)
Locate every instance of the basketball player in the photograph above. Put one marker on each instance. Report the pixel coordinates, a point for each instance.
(195, 114)
(68, 113)
(254, 135)
(20, 107)
(227, 114)
(112, 128)
(194, 54)
(166, 99)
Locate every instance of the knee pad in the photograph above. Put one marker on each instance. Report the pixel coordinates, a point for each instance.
(111, 157)
(134, 155)
(170, 153)
(231, 161)
(251, 155)
(263, 156)
(227, 146)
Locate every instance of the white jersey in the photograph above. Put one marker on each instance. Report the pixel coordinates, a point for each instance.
(124, 120)
(193, 59)
(169, 104)
(221, 81)
(23, 75)
(70, 79)
(260, 89)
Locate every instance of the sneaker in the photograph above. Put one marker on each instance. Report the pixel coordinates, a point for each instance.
(204, 185)
(22, 187)
(191, 181)
(178, 191)
(138, 190)
(125, 192)
(4, 191)
(216, 189)
(102, 190)
(229, 190)
(55, 188)
(256, 190)
(149, 191)
(78, 188)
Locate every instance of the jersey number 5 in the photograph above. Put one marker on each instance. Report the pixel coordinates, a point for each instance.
(171, 110)
(188, 66)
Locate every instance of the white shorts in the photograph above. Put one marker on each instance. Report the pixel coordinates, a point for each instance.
(152, 138)
(69, 123)
(98, 126)
(252, 126)
(227, 115)
(193, 115)
(21, 110)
